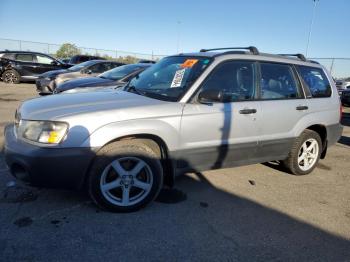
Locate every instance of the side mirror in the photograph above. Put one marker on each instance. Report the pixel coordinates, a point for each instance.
(210, 96)
(89, 72)
(54, 63)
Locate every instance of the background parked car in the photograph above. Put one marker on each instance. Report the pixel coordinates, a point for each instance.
(345, 97)
(65, 60)
(47, 82)
(342, 85)
(77, 59)
(146, 61)
(115, 77)
(17, 66)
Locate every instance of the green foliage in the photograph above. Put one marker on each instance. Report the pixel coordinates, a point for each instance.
(67, 50)
(127, 59)
(108, 57)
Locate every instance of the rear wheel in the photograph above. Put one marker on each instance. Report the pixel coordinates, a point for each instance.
(11, 77)
(305, 153)
(125, 176)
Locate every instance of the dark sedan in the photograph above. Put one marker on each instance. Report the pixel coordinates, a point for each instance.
(47, 82)
(116, 77)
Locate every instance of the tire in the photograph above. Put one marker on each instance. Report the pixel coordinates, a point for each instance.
(125, 176)
(300, 161)
(11, 77)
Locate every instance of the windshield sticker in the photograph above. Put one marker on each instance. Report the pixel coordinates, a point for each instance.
(177, 80)
(189, 63)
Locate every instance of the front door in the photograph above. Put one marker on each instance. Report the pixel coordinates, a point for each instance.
(222, 134)
(45, 63)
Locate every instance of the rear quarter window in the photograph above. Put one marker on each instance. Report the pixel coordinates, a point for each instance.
(24, 57)
(316, 81)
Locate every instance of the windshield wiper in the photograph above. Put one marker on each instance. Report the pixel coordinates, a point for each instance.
(133, 89)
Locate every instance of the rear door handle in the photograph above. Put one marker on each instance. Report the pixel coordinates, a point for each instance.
(247, 111)
(302, 108)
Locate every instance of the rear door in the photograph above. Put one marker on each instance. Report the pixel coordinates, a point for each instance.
(222, 134)
(26, 65)
(283, 104)
(98, 68)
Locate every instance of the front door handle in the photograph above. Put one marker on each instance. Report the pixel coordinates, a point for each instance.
(302, 108)
(247, 111)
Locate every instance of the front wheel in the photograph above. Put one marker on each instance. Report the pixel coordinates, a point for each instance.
(305, 153)
(125, 176)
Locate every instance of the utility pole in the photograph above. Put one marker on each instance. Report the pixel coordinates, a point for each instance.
(311, 24)
(178, 37)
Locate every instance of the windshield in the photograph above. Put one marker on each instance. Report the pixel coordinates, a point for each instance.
(82, 65)
(120, 72)
(170, 78)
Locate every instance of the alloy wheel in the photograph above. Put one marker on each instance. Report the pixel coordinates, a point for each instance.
(126, 181)
(308, 154)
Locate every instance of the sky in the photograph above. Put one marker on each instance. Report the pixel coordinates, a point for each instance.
(164, 27)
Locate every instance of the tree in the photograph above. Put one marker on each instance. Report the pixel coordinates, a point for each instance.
(128, 59)
(67, 50)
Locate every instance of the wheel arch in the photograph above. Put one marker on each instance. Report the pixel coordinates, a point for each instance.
(157, 144)
(322, 131)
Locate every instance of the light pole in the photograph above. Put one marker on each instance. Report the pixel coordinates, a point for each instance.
(311, 24)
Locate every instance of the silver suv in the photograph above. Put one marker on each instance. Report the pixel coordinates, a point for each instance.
(188, 112)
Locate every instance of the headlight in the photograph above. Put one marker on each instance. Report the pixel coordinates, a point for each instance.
(47, 132)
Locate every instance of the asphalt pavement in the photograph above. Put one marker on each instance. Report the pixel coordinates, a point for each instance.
(252, 213)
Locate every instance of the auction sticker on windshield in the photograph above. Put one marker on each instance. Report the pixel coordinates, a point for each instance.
(177, 80)
(189, 63)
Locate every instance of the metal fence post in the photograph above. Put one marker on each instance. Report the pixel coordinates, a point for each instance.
(331, 69)
(116, 53)
(48, 49)
(20, 45)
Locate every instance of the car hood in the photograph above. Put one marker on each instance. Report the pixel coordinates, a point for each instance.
(54, 73)
(95, 108)
(84, 82)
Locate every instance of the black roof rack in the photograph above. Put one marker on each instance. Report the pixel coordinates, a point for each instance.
(314, 62)
(300, 56)
(252, 49)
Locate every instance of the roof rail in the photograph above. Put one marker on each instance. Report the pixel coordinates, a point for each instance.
(300, 56)
(252, 49)
(314, 62)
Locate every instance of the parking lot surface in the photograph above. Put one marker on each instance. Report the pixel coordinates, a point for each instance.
(251, 213)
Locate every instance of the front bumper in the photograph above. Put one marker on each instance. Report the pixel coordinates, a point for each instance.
(48, 167)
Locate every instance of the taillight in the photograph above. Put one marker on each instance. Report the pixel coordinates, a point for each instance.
(340, 112)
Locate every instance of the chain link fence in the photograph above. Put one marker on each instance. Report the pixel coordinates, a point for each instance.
(51, 49)
(339, 67)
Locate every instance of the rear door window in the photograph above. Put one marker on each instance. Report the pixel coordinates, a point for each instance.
(99, 68)
(278, 81)
(24, 57)
(316, 81)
